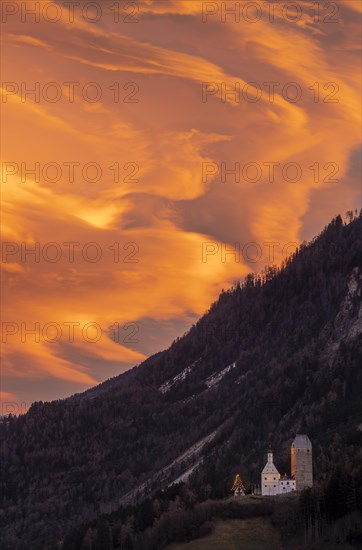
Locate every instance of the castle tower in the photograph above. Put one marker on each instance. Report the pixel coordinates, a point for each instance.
(301, 459)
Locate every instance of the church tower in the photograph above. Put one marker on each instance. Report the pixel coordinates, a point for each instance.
(301, 459)
(270, 478)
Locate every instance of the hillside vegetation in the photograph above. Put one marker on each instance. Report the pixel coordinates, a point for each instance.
(275, 355)
(247, 534)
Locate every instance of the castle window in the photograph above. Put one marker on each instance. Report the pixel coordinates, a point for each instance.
(287, 482)
(274, 478)
(265, 478)
(308, 450)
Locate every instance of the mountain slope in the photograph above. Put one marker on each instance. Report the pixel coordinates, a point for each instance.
(272, 357)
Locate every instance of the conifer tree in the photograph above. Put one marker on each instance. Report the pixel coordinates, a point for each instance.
(238, 486)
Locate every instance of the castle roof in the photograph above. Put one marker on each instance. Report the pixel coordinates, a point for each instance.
(302, 441)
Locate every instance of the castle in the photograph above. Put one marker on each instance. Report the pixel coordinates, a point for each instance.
(301, 470)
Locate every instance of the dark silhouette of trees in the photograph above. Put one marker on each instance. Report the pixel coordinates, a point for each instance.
(291, 336)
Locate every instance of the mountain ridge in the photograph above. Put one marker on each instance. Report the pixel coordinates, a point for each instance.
(294, 340)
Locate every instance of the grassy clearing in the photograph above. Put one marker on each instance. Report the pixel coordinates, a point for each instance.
(236, 534)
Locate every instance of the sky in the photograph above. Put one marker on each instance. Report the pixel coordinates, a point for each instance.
(153, 153)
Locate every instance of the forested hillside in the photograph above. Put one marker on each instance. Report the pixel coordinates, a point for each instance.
(275, 355)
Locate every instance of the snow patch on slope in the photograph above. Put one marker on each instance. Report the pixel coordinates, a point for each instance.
(177, 470)
(178, 378)
(218, 376)
(347, 324)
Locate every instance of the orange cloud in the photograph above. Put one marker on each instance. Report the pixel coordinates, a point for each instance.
(151, 202)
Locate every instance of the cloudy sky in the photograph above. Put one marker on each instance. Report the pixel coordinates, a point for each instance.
(143, 144)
